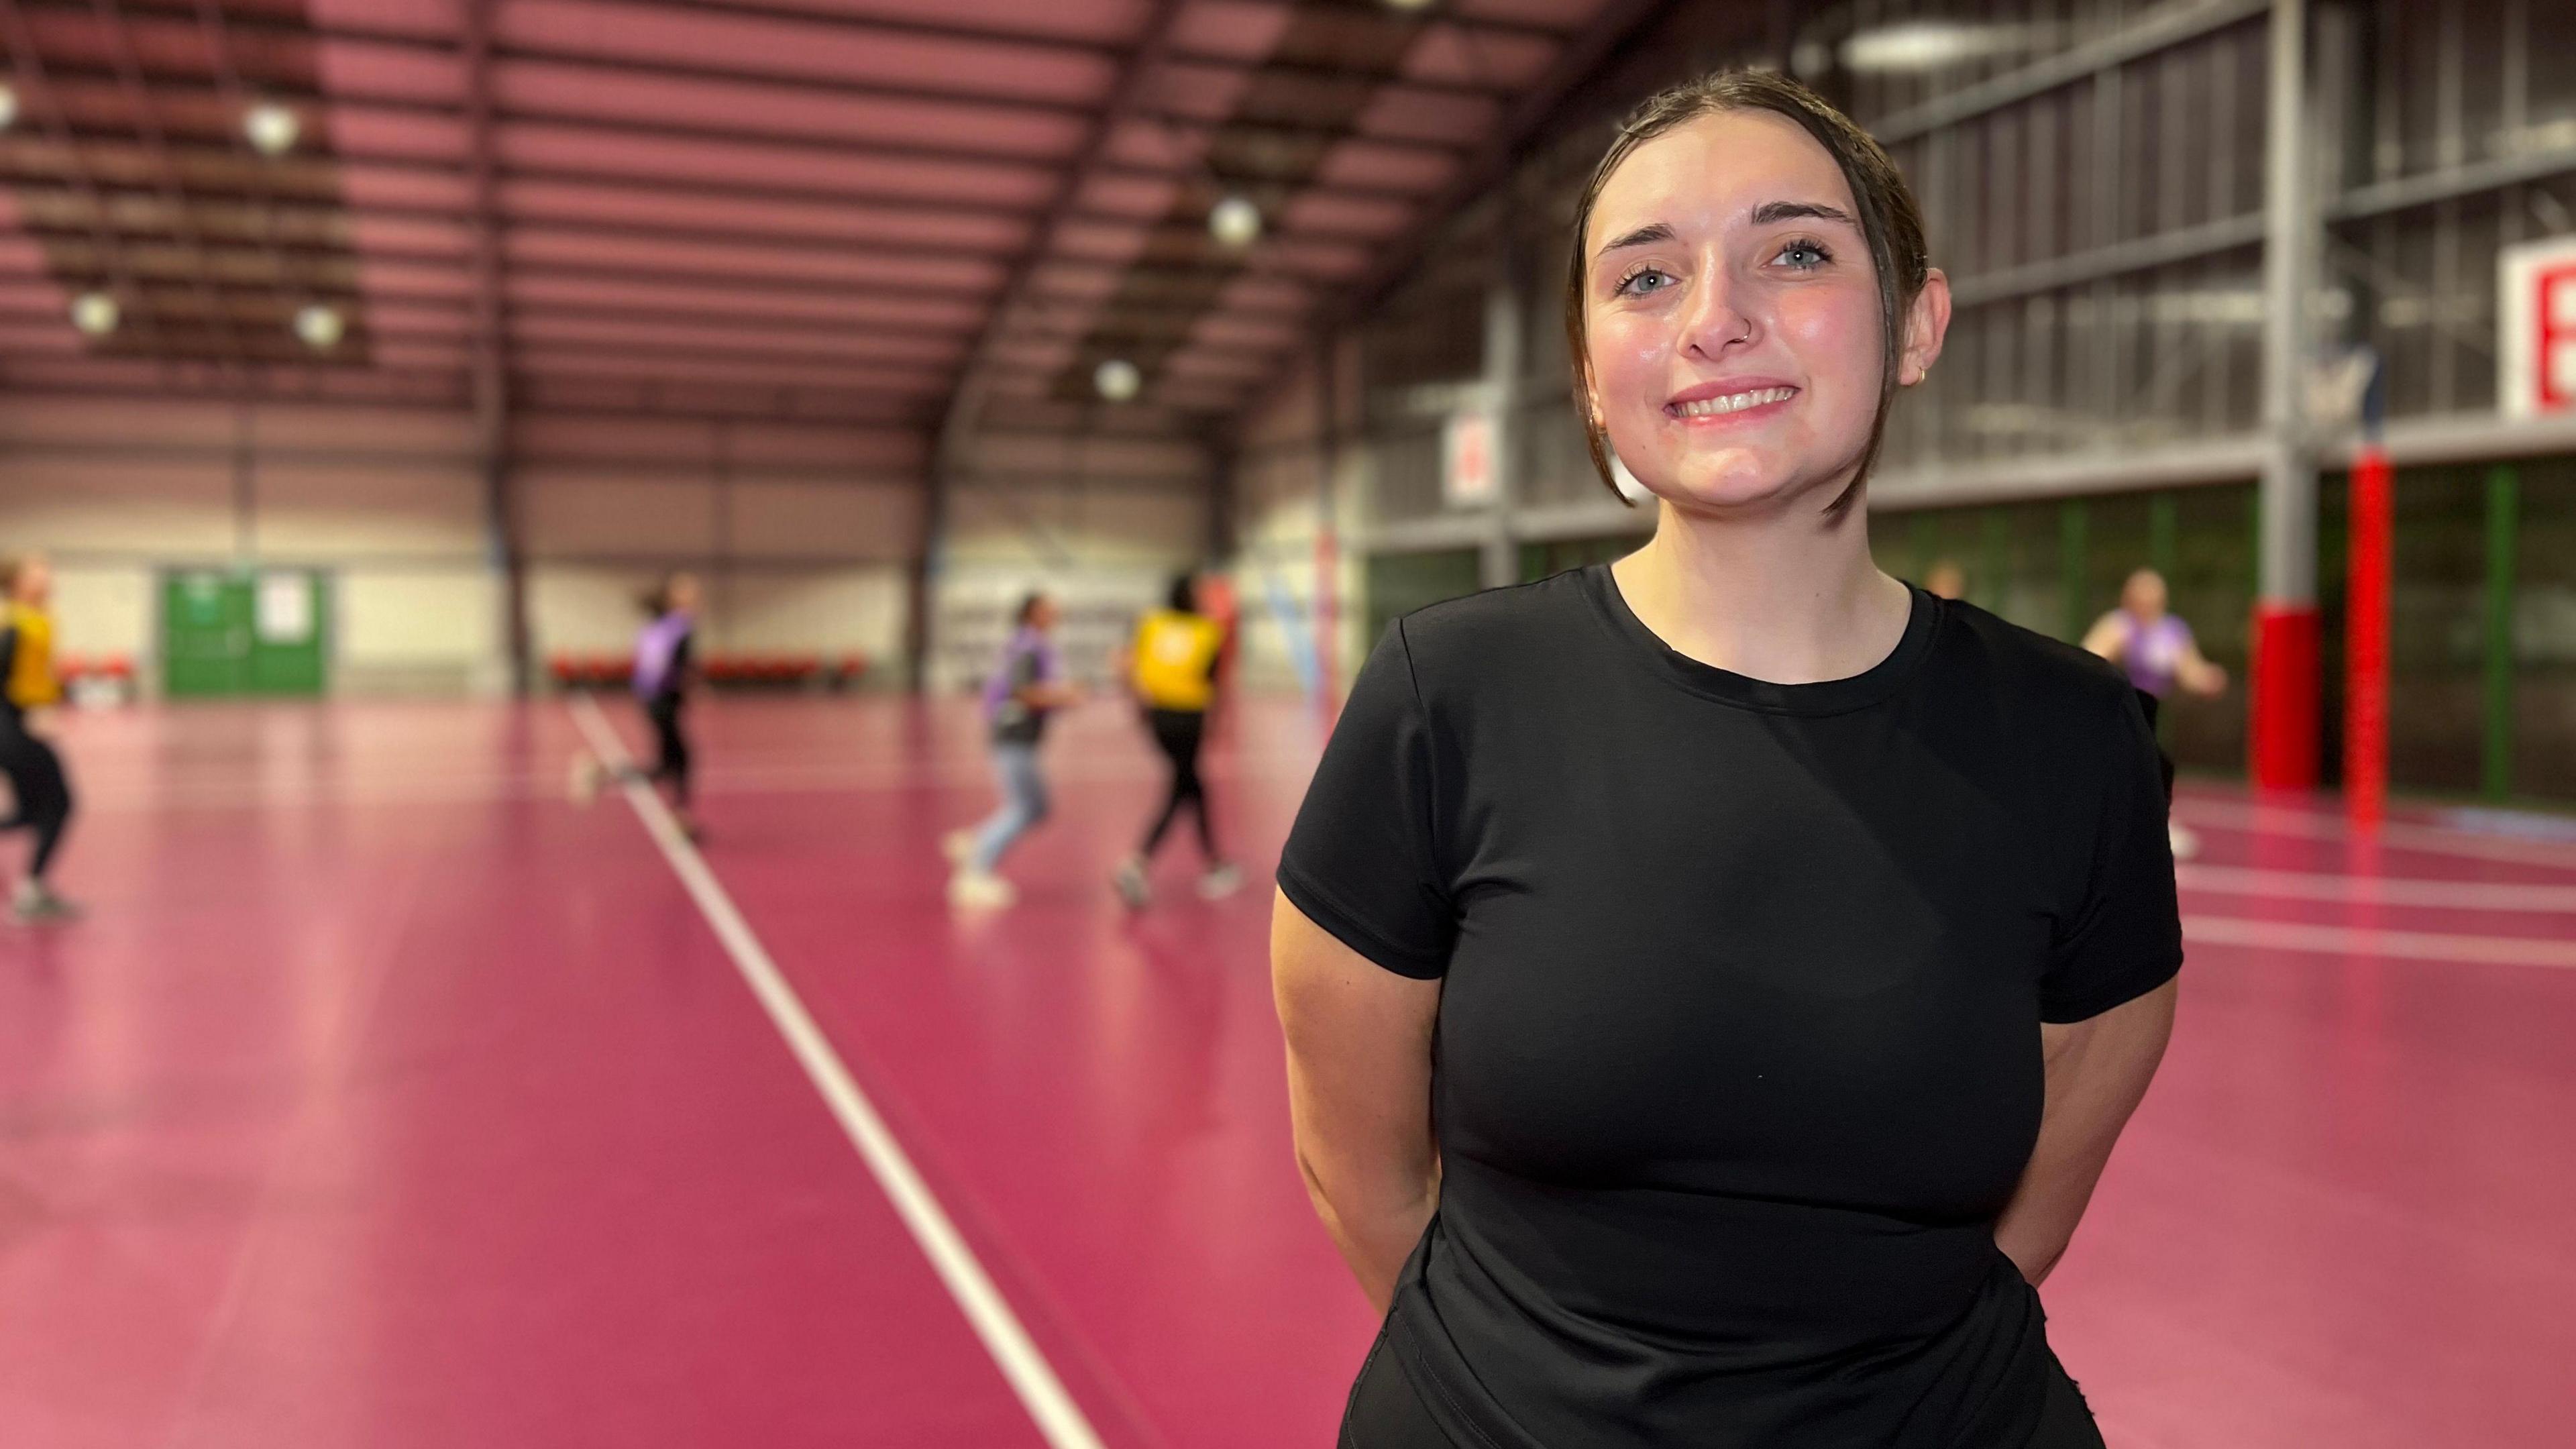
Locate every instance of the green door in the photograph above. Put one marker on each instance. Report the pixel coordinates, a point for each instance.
(288, 607)
(226, 633)
(205, 634)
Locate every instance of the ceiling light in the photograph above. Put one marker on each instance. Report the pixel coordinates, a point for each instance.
(95, 313)
(8, 105)
(271, 127)
(1925, 45)
(319, 326)
(1235, 222)
(1408, 4)
(1117, 379)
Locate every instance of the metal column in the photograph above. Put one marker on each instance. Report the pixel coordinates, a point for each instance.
(1498, 562)
(491, 382)
(1327, 610)
(2283, 729)
(2495, 772)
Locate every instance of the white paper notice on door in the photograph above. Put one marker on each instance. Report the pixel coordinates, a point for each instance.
(285, 612)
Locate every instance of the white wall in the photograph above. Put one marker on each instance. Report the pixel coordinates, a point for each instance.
(802, 532)
(387, 500)
(1101, 523)
(1277, 517)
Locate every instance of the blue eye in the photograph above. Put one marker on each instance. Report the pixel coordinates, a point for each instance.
(1637, 286)
(1805, 255)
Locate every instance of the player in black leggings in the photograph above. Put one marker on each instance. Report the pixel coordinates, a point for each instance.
(664, 670)
(35, 772)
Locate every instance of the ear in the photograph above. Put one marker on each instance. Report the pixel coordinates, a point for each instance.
(1926, 323)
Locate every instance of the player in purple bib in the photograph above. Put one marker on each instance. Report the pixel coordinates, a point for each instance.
(2155, 648)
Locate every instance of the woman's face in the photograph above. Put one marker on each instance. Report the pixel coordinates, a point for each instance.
(683, 594)
(35, 582)
(1732, 314)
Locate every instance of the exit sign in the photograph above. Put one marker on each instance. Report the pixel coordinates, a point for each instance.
(2536, 319)
(1467, 460)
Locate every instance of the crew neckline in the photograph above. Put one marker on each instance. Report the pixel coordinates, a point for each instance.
(1824, 696)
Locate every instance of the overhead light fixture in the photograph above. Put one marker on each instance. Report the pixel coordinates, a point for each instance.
(1117, 379)
(1409, 4)
(8, 105)
(272, 128)
(321, 327)
(1927, 45)
(1235, 221)
(95, 313)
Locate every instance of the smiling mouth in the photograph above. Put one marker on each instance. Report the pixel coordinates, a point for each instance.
(1733, 402)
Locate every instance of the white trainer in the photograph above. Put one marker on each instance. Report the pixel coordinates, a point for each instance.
(980, 890)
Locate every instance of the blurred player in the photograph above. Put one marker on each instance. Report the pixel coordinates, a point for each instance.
(1945, 579)
(2157, 651)
(1027, 685)
(28, 688)
(664, 672)
(1172, 668)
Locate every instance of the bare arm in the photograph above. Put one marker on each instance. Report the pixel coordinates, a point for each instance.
(2108, 636)
(2098, 1071)
(2194, 672)
(1359, 1094)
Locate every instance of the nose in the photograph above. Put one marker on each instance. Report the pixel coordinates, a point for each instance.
(1716, 318)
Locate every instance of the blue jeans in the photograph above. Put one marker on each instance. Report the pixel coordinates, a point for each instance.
(1024, 803)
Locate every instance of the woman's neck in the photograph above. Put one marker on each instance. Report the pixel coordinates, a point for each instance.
(1789, 598)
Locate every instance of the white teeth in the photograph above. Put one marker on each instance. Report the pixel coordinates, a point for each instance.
(1734, 402)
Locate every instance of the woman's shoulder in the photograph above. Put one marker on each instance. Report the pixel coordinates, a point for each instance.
(2033, 670)
(1516, 624)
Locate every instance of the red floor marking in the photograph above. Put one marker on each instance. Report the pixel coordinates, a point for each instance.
(516, 1162)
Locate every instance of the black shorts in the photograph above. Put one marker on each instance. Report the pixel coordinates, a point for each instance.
(1386, 1412)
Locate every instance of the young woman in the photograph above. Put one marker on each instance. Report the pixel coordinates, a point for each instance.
(1714, 981)
(664, 672)
(2158, 653)
(1172, 667)
(35, 772)
(1026, 686)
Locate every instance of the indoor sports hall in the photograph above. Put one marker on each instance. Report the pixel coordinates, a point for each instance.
(660, 655)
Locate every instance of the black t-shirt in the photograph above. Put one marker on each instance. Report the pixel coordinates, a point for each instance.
(1738, 1048)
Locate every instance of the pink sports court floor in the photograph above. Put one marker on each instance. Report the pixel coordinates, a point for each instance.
(388, 1099)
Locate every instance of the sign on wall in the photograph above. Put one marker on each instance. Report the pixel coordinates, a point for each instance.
(1467, 460)
(2536, 321)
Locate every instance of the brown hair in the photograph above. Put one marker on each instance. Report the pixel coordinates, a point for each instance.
(11, 565)
(1889, 220)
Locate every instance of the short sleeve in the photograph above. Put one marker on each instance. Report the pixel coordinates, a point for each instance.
(1360, 859)
(2126, 935)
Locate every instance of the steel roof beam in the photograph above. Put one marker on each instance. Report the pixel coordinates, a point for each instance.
(192, 88)
(788, 144)
(316, 217)
(24, 154)
(353, 29)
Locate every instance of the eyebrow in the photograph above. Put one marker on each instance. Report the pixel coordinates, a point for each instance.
(1763, 215)
(1771, 211)
(1654, 232)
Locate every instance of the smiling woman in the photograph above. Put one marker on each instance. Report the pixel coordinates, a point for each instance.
(1795, 943)
(1843, 234)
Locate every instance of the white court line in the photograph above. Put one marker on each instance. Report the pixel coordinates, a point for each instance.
(1040, 1391)
(2259, 819)
(2370, 890)
(2364, 941)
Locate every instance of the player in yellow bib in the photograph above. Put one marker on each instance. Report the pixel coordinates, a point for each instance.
(43, 797)
(1172, 669)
